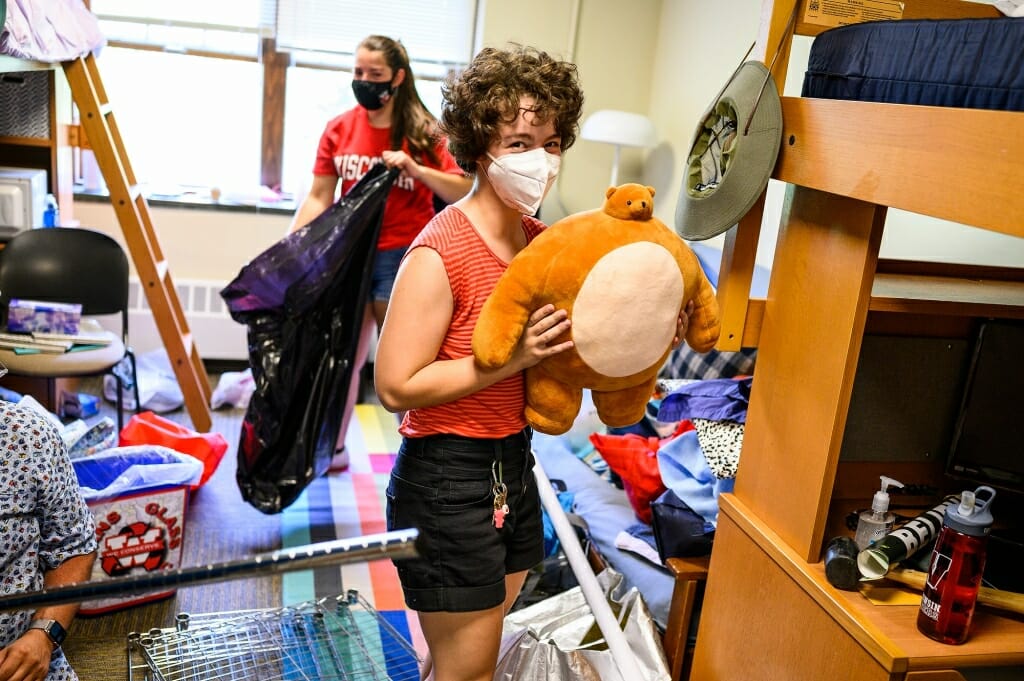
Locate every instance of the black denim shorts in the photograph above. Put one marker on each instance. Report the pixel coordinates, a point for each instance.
(442, 485)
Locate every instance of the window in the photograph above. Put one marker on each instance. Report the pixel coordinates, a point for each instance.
(186, 81)
(189, 120)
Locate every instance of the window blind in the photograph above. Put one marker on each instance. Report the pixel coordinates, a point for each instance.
(438, 34)
(230, 27)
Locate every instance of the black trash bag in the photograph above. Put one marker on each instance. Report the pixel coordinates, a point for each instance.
(303, 301)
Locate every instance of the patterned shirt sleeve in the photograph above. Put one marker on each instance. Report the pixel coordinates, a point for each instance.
(43, 519)
(66, 525)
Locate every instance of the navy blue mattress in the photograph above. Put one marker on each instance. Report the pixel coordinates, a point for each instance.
(968, 63)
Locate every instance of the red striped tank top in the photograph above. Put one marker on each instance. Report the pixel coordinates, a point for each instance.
(473, 271)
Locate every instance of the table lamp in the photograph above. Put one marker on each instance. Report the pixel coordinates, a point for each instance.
(621, 129)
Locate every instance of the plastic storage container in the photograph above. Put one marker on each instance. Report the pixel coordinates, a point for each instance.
(138, 496)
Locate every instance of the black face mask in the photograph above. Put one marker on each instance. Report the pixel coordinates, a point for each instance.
(372, 95)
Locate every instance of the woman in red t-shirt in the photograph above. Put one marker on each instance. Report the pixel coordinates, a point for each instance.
(390, 125)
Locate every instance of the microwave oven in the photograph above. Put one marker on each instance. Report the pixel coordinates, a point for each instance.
(22, 199)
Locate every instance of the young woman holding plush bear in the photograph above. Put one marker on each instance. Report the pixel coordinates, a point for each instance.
(465, 455)
(463, 476)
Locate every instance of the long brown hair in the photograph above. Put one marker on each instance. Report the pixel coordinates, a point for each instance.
(410, 119)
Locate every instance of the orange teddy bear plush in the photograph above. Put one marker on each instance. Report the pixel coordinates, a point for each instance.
(623, 277)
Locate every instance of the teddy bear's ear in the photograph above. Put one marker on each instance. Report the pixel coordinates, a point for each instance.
(608, 192)
(651, 190)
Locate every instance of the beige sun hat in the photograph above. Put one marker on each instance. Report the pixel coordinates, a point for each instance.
(732, 154)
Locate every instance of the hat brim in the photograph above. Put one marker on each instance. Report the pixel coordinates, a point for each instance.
(703, 214)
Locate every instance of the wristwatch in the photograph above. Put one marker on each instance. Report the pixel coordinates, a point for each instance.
(53, 629)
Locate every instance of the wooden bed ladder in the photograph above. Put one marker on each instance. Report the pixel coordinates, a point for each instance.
(133, 214)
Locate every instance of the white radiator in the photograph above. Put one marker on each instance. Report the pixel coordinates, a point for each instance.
(217, 335)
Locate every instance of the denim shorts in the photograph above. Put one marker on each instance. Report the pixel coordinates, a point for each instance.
(385, 269)
(442, 486)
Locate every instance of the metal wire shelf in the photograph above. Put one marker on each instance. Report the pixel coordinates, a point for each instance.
(331, 639)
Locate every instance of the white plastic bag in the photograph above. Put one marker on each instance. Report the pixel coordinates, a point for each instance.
(557, 638)
(234, 388)
(158, 386)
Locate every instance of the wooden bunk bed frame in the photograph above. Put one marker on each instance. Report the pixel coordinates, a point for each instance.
(768, 612)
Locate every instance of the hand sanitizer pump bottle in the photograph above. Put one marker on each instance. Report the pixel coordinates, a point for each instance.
(958, 562)
(876, 523)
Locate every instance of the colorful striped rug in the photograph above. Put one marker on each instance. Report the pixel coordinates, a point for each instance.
(351, 503)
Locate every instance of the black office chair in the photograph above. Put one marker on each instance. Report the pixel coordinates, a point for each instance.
(70, 265)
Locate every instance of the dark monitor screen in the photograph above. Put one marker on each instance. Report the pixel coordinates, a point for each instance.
(988, 441)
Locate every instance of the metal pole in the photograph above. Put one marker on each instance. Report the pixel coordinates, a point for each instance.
(623, 656)
(398, 544)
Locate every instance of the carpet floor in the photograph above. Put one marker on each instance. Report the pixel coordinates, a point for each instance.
(221, 526)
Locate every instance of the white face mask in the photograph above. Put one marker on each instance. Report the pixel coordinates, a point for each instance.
(522, 180)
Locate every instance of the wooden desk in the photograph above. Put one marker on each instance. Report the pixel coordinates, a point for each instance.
(805, 628)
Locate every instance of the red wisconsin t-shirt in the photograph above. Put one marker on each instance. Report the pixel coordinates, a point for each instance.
(349, 147)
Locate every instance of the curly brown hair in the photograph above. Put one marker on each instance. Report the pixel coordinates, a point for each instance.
(487, 93)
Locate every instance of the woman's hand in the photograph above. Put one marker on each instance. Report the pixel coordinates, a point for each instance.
(682, 325)
(537, 341)
(402, 161)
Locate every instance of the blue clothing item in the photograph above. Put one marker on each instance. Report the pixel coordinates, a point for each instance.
(551, 542)
(385, 269)
(44, 520)
(720, 399)
(685, 471)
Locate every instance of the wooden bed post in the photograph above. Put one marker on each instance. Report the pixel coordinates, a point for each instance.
(740, 249)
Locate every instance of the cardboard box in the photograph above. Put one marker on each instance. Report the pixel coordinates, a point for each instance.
(28, 316)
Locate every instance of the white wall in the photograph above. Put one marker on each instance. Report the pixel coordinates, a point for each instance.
(615, 51)
(197, 243)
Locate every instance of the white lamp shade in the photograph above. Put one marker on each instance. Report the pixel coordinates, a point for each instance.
(620, 128)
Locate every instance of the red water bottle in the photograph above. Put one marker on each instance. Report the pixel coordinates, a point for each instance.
(958, 561)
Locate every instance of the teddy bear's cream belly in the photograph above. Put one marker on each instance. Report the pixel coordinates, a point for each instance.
(624, 317)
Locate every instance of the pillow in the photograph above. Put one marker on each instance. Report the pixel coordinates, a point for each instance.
(684, 362)
(634, 458)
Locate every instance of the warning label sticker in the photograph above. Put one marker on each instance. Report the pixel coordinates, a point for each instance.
(842, 12)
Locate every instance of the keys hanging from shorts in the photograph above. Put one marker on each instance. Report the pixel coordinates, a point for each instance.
(500, 492)
(500, 507)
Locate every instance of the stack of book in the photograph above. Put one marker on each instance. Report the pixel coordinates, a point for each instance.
(52, 343)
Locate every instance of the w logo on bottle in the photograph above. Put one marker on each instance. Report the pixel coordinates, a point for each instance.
(938, 571)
